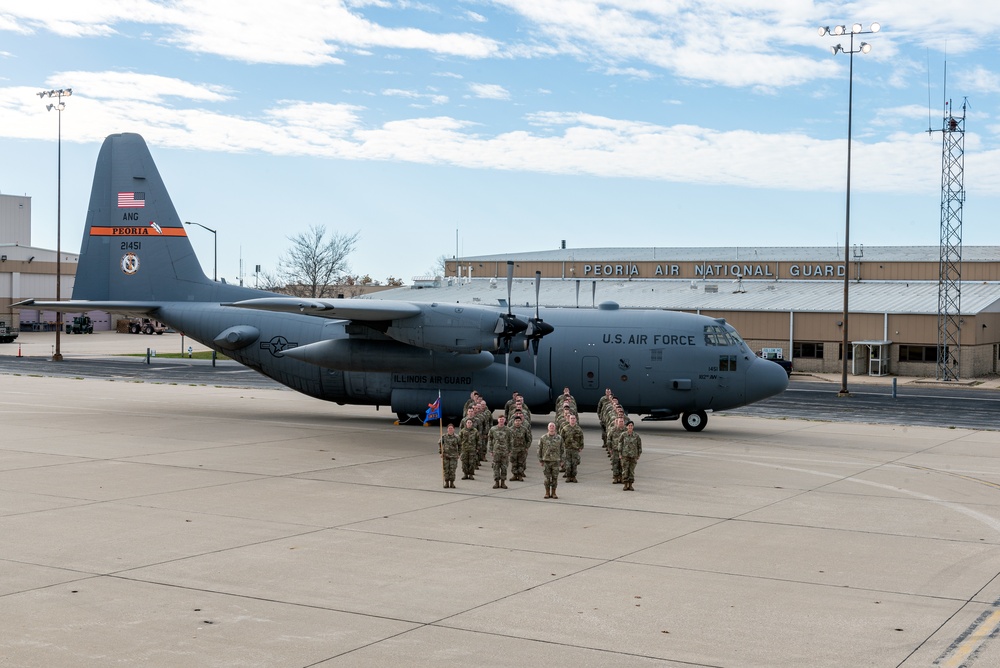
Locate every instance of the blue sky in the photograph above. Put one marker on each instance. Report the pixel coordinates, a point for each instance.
(509, 124)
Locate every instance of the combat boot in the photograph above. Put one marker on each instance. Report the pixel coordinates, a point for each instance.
(503, 484)
(496, 484)
(548, 492)
(554, 492)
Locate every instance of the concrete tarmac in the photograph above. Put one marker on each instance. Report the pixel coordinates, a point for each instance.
(169, 525)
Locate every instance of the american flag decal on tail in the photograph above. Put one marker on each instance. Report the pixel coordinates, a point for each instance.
(131, 200)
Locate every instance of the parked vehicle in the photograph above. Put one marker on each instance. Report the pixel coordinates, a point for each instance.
(82, 324)
(8, 331)
(145, 326)
(776, 355)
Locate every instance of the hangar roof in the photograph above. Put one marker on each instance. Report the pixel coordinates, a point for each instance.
(742, 254)
(914, 297)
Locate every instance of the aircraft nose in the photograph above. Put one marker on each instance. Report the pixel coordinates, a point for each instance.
(765, 379)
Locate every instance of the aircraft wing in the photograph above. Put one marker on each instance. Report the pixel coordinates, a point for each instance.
(81, 305)
(337, 309)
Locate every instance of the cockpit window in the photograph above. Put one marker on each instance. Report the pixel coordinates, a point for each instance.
(717, 335)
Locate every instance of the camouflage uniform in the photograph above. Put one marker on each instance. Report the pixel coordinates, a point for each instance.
(631, 450)
(550, 449)
(572, 436)
(614, 437)
(566, 400)
(484, 421)
(520, 441)
(499, 448)
(508, 409)
(449, 448)
(601, 405)
(469, 440)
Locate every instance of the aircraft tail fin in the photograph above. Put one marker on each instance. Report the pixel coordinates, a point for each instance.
(135, 246)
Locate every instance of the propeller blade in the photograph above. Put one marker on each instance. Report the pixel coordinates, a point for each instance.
(538, 287)
(534, 359)
(510, 282)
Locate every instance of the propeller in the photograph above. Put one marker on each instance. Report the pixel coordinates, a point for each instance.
(508, 326)
(537, 328)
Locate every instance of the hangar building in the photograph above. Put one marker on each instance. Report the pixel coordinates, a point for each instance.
(27, 271)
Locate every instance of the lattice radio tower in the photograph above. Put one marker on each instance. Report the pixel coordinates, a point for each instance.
(949, 345)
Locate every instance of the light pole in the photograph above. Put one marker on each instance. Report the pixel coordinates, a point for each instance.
(215, 259)
(59, 105)
(856, 29)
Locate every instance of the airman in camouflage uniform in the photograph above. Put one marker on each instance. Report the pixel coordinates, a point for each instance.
(470, 402)
(630, 446)
(601, 404)
(468, 439)
(499, 448)
(566, 400)
(508, 408)
(572, 436)
(484, 422)
(550, 447)
(614, 439)
(520, 441)
(449, 448)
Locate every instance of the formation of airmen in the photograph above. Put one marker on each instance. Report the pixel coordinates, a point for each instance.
(507, 442)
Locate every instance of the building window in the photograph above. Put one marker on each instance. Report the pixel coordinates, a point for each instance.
(840, 352)
(918, 354)
(810, 350)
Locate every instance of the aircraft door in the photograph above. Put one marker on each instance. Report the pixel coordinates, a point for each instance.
(590, 374)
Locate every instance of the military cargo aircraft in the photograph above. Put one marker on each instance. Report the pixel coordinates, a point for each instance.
(136, 259)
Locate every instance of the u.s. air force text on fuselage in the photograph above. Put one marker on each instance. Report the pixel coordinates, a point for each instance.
(647, 339)
(705, 270)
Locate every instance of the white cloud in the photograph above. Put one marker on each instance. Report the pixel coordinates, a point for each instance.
(979, 80)
(630, 72)
(433, 98)
(560, 142)
(149, 87)
(299, 32)
(489, 91)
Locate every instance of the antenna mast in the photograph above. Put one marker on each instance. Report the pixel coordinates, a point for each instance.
(949, 347)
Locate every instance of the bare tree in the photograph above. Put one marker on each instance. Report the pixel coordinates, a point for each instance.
(311, 266)
(270, 281)
(437, 270)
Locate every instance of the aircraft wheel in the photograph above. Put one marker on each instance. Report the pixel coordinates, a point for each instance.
(695, 421)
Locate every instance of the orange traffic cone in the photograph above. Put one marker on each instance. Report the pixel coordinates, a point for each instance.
(19, 350)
